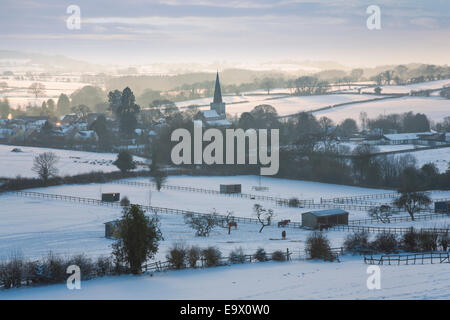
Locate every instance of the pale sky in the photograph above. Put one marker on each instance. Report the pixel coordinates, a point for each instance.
(150, 31)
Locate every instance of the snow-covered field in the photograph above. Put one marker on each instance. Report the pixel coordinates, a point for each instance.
(284, 105)
(435, 108)
(416, 86)
(440, 158)
(17, 91)
(259, 281)
(34, 227)
(70, 162)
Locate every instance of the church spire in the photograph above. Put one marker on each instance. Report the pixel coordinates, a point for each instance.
(217, 91)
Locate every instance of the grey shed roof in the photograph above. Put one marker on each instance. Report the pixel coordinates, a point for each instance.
(329, 212)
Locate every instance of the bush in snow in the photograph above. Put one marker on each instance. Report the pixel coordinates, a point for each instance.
(409, 241)
(444, 240)
(357, 242)
(294, 202)
(237, 256)
(318, 247)
(261, 255)
(385, 242)
(428, 241)
(177, 256)
(125, 202)
(211, 256)
(12, 272)
(103, 266)
(87, 267)
(193, 255)
(278, 256)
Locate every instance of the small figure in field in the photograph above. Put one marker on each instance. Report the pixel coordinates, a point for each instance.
(283, 235)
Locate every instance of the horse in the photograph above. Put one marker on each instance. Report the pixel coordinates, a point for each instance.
(232, 224)
(283, 223)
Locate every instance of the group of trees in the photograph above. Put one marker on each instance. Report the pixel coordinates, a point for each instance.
(402, 123)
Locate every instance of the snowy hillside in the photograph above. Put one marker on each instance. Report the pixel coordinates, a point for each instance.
(268, 280)
(70, 162)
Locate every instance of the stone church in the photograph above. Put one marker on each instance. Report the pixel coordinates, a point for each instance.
(216, 115)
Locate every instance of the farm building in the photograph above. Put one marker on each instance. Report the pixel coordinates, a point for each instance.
(110, 197)
(442, 206)
(331, 217)
(230, 188)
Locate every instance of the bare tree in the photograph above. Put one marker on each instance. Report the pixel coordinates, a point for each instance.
(412, 202)
(45, 165)
(37, 89)
(382, 213)
(264, 216)
(202, 224)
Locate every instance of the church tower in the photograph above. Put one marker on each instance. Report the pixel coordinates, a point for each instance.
(218, 103)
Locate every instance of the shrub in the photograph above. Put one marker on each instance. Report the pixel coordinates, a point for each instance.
(212, 256)
(202, 225)
(53, 269)
(428, 241)
(318, 247)
(409, 241)
(103, 266)
(444, 241)
(357, 242)
(278, 256)
(11, 271)
(86, 265)
(125, 202)
(177, 256)
(385, 242)
(237, 256)
(194, 254)
(261, 255)
(294, 202)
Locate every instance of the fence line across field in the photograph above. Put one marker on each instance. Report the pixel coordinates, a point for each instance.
(159, 266)
(362, 198)
(279, 200)
(150, 209)
(391, 230)
(303, 203)
(352, 223)
(408, 259)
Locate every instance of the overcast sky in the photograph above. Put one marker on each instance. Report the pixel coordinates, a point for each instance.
(149, 31)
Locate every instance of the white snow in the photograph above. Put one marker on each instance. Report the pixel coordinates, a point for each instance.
(412, 87)
(259, 281)
(435, 108)
(70, 162)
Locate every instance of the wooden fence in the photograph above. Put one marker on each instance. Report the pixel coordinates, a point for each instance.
(277, 200)
(159, 266)
(404, 218)
(150, 209)
(391, 230)
(407, 259)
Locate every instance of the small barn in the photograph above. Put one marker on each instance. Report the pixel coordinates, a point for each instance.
(442, 207)
(230, 188)
(110, 197)
(331, 217)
